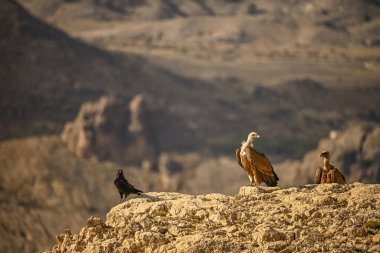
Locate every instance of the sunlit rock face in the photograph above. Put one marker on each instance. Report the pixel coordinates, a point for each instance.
(312, 218)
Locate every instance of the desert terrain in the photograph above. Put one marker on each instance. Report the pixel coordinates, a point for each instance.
(167, 90)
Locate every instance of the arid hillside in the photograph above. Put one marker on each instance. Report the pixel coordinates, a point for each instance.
(331, 218)
(47, 76)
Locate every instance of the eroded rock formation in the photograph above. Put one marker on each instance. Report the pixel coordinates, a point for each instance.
(111, 129)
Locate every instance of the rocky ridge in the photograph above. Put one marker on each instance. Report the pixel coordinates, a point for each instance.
(311, 218)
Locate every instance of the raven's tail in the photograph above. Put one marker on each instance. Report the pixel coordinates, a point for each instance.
(138, 192)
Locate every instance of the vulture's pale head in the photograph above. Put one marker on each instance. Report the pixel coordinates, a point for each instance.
(249, 141)
(325, 154)
(252, 136)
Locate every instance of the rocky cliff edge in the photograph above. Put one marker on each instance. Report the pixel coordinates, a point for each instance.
(311, 218)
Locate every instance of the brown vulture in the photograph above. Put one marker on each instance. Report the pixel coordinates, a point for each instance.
(256, 164)
(328, 174)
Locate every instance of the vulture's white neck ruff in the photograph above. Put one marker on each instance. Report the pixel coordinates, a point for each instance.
(248, 142)
(245, 145)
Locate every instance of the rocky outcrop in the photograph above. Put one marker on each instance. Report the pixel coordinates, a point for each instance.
(110, 129)
(329, 218)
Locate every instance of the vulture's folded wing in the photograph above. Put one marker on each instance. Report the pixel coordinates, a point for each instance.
(318, 175)
(337, 177)
(261, 162)
(326, 177)
(342, 178)
(238, 157)
(329, 177)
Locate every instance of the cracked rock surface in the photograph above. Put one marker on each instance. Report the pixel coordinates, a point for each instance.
(311, 218)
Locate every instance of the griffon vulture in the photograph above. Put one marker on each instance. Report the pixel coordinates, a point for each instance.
(256, 164)
(328, 174)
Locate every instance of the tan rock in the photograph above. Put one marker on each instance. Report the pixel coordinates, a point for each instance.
(356, 231)
(174, 230)
(93, 222)
(275, 220)
(376, 238)
(232, 229)
(268, 234)
(254, 190)
(374, 248)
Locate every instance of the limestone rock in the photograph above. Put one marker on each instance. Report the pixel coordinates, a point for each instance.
(268, 234)
(93, 222)
(376, 238)
(252, 190)
(258, 219)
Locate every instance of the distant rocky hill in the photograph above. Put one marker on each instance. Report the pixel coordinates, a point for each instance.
(193, 25)
(330, 218)
(47, 76)
(310, 104)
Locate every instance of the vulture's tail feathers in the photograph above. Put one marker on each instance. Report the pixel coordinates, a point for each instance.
(271, 180)
(275, 176)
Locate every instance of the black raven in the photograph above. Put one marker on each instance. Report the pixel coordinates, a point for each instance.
(124, 187)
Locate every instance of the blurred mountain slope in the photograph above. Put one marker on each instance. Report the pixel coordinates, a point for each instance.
(46, 189)
(354, 151)
(237, 47)
(46, 76)
(44, 72)
(204, 24)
